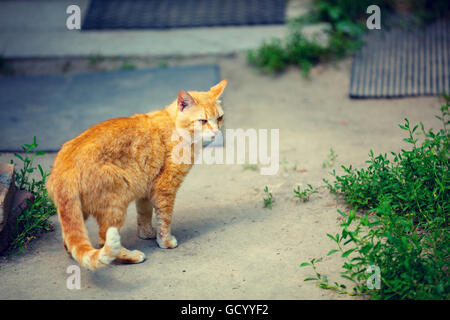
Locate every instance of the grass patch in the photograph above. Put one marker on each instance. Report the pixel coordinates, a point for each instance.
(330, 160)
(287, 166)
(163, 64)
(34, 219)
(95, 59)
(304, 194)
(347, 19)
(250, 166)
(267, 198)
(126, 65)
(346, 27)
(402, 228)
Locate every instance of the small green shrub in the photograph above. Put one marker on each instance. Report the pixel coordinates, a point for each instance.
(297, 50)
(163, 64)
(34, 219)
(95, 59)
(304, 194)
(348, 11)
(267, 198)
(413, 181)
(288, 166)
(126, 65)
(249, 166)
(330, 160)
(347, 20)
(404, 226)
(270, 57)
(303, 53)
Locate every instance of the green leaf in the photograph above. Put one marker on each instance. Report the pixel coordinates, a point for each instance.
(311, 279)
(331, 237)
(331, 252)
(349, 28)
(304, 264)
(18, 156)
(348, 252)
(334, 12)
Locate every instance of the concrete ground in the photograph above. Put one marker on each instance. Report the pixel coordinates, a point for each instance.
(38, 29)
(230, 247)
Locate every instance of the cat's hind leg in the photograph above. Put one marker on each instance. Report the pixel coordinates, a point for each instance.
(115, 217)
(145, 229)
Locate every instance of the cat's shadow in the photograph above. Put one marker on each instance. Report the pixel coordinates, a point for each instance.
(189, 225)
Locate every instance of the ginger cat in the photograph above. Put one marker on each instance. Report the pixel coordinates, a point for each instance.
(121, 160)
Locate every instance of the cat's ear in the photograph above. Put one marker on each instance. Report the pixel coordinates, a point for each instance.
(218, 88)
(185, 100)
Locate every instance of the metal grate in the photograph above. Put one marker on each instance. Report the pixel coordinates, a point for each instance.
(164, 14)
(398, 63)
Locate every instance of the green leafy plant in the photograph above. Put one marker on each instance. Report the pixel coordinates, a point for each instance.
(270, 57)
(95, 59)
(331, 159)
(34, 219)
(323, 279)
(403, 227)
(267, 198)
(346, 28)
(163, 64)
(126, 65)
(249, 166)
(346, 19)
(304, 194)
(287, 166)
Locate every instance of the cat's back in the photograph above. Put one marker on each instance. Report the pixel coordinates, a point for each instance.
(102, 142)
(130, 146)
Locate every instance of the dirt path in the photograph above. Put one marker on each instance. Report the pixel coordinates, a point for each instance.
(229, 246)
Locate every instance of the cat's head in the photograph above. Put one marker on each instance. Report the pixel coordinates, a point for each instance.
(201, 110)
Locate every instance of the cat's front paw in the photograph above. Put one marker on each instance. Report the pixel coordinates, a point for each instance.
(167, 243)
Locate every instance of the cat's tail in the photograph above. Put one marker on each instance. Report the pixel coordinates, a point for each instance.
(76, 238)
(92, 258)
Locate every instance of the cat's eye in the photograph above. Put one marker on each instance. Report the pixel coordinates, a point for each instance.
(203, 121)
(220, 118)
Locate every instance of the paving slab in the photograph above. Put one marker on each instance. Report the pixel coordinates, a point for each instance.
(38, 29)
(56, 108)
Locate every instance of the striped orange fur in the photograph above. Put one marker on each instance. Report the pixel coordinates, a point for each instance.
(118, 161)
